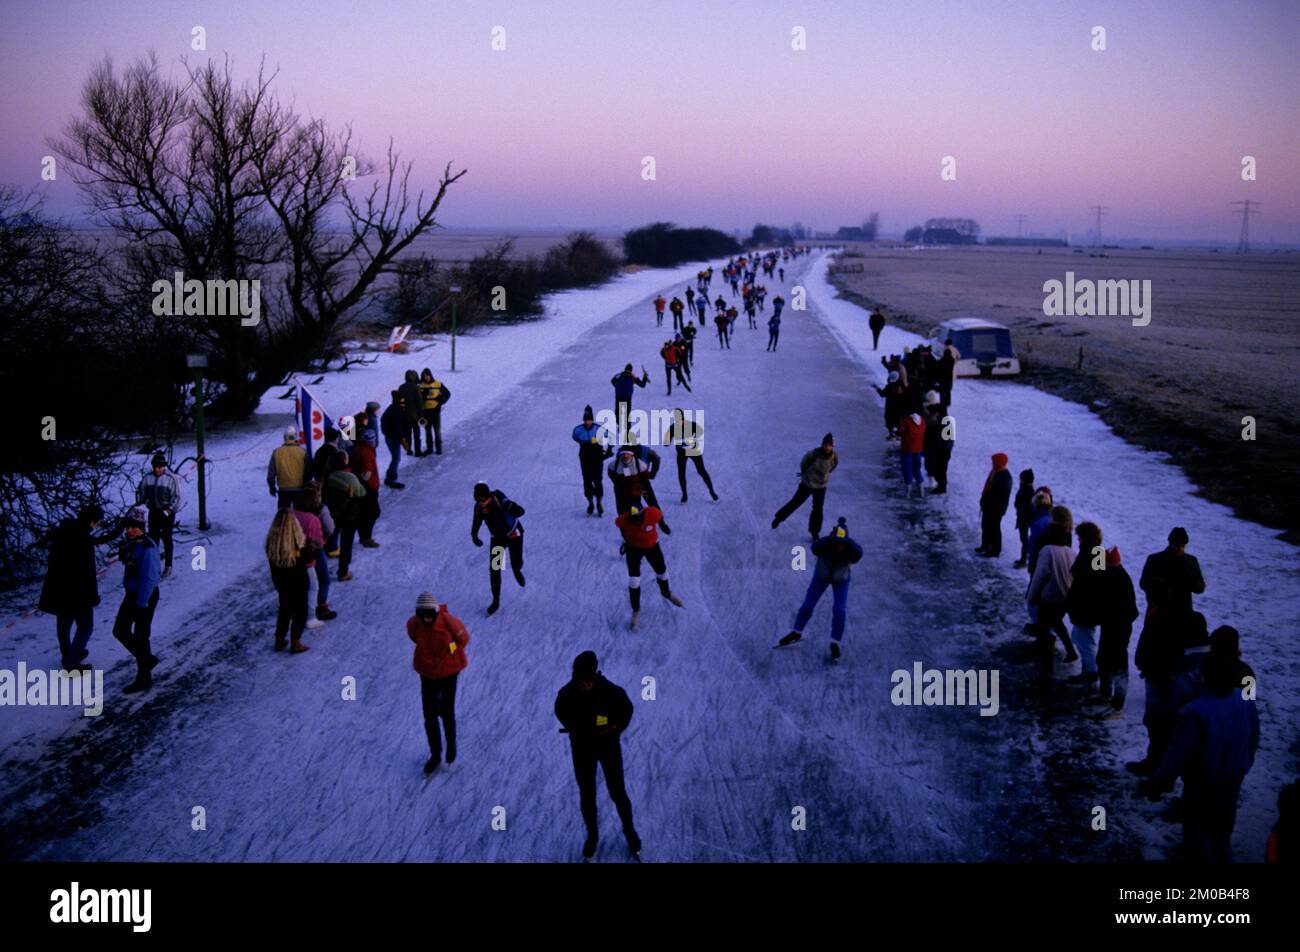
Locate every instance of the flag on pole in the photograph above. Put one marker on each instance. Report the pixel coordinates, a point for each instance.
(312, 418)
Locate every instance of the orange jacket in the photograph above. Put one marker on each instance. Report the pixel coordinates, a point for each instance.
(439, 644)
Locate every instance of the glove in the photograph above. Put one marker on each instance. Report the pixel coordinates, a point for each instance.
(477, 540)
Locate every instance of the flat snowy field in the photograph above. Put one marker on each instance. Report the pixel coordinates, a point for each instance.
(738, 735)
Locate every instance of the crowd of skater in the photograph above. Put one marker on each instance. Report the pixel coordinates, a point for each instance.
(1199, 725)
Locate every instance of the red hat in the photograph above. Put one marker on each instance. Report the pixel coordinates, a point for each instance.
(1000, 460)
(1112, 556)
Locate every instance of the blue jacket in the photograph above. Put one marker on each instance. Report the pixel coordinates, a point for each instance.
(593, 441)
(624, 384)
(143, 569)
(1216, 739)
(1036, 530)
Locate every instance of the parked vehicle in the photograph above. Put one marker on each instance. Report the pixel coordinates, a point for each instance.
(985, 347)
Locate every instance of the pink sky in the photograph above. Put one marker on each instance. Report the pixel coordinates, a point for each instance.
(742, 127)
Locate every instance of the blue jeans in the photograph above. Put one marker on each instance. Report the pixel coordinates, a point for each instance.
(1085, 639)
(395, 451)
(322, 579)
(911, 463)
(840, 592)
(73, 650)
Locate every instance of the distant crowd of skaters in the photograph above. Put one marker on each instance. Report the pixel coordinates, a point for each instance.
(1199, 725)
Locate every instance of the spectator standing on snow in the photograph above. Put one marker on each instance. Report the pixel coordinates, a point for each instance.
(936, 446)
(911, 443)
(814, 476)
(1025, 513)
(945, 372)
(1085, 603)
(836, 553)
(1212, 748)
(70, 591)
(319, 467)
(593, 449)
(1050, 585)
(413, 403)
(994, 499)
(440, 639)
(641, 541)
(895, 394)
(289, 553)
(317, 526)
(505, 536)
(363, 460)
(1118, 612)
(1169, 578)
(344, 495)
(396, 427)
(659, 310)
(677, 307)
(877, 324)
(595, 713)
(434, 395)
(160, 494)
(287, 470)
(133, 627)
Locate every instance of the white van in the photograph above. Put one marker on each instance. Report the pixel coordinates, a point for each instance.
(985, 347)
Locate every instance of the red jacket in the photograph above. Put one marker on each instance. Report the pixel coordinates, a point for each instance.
(669, 354)
(439, 644)
(644, 536)
(362, 461)
(911, 435)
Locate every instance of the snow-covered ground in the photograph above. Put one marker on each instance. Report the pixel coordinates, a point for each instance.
(738, 735)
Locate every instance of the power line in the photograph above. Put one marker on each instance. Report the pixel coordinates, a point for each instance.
(1243, 242)
(1100, 210)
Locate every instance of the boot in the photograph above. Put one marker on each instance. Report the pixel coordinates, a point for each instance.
(370, 543)
(589, 847)
(492, 609)
(143, 681)
(591, 507)
(281, 642)
(790, 638)
(297, 647)
(431, 765)
(636, 621)
(600, 509)
(835, 651)
(325, 613)
(633, 842)
(451, 751)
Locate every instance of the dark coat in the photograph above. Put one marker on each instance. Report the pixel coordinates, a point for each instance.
(70, 584)
(998, 496)
(1086, 601)
(579, 712)
(1170, 580)
(499, 513)
(1025, 514)
(395, 424)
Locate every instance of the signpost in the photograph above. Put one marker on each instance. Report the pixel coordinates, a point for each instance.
(455, 298)
(197, 362)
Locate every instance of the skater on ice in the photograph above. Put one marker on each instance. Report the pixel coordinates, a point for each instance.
(440, 639)
(505, 536)
(687, 437)
(595, 712)
(593, 449)
(641, 541)
(624, 382)
(836, 554)
(814, 476)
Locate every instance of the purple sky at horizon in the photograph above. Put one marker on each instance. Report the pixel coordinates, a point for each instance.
(743, 128)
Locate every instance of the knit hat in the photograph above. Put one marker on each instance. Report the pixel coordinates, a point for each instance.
(291, 433)
(627, 369)
(426, 602)
(158, 460)
(1225, 641)
(1027, 476)
(587, 414)
(585, 666)
(372, 406)
(932, 398)
(136, 517)
(1000, 461)
(1178, 535)
(481, 491)
(828, 439)
(1112, 557)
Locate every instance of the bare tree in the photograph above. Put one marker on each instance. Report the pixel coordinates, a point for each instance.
(221, 181)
